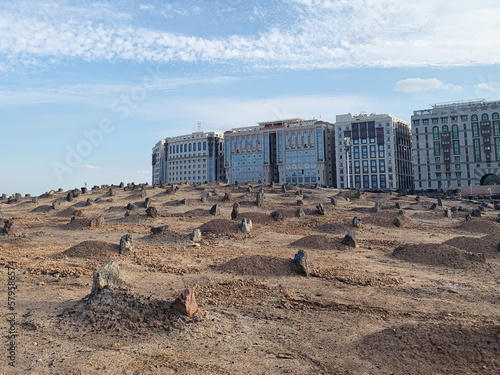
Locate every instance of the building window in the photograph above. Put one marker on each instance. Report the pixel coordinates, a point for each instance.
(473, 118)
(496, 128)
(475, 129)
(454, 131)
(437, 149)
(435, 120)
(494, 116)
(456, 147)
(497, 148)
(435, 132)
(425, 121)
(444, 119)
(415, 122)
(445, 128)
(477, 150)
(484, 117)
(463, 118)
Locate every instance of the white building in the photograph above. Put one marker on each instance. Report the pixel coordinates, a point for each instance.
(457, 144)
(158, 162)
(283, 151)
(195, 158)
(379, 151)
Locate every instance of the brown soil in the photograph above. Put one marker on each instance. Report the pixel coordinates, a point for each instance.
(435, 255)
(220, 227)
(319, 242)
(427, 309)
(479, 226)
(99, 250)
(456, 349)
(258, 265)
(475, 245)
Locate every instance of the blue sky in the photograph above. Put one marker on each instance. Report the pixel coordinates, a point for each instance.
(87, 88)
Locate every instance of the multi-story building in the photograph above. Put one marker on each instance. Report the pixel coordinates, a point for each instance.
(373, 152)
(457, 144)
(284, 151)
(158, 161)
(196, 157)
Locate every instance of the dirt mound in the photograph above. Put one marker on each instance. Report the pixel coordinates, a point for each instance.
(319, 242)
(434, 349)
(237, 293)
(258, 265)
(42, 209)
(353, 276)
(257, 217)
(476, 245)
(221, 227)
(493, 237)
(91, 249)
(165, 238)
(435, 255)
(77, 224)
(122, 312)
(479, 226)
(386, 219)
(67, 212)
(333, 228)
(197, 212)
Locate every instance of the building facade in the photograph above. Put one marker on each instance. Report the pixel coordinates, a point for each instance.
(284, 151)
(158, 162)
(457, 144)
(193, 158)
(373, 152)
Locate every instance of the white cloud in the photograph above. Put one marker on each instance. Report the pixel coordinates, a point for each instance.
(87, 166)
(146, 7)
(488, 91)
(304, 35)
(412, 85)
(144, 172)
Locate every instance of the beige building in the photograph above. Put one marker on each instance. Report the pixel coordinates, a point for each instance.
(195, 158)
(457, 144)
(284, 151)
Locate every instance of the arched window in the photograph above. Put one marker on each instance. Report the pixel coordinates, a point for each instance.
(445, 128)
(474, 117)
(484, 117)
(495, 116)
(435, 131)
(454, 131)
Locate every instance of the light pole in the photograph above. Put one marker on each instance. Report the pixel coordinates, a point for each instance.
(347, 146)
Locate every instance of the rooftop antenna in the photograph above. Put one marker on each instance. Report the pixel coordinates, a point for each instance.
(199, 126)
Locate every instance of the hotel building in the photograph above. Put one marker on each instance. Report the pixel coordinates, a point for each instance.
(373, 152)
(457, 144)
(285, 151)
(195, 158)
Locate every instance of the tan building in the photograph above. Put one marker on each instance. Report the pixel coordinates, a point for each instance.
(457, 144)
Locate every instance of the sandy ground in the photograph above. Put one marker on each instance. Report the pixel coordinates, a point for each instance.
(409, 300)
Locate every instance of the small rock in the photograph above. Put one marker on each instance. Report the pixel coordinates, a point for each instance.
(203, 199)
(186, 303)
(300, 263)
(377, 207)
(468, 217)
(76, 193)
(111, 192)
(108, 276)
(433, 206)
(321, 209)
(350, 240)
(300, 202)
(147, 203)
(228, 197)
(215, 210)
(260, 198)
(236, 211)
(476, 212)
(196, 237)
(399, 221)
(10, 227)
(246, 225)
(277, 216)
(299, 212)
(439, 202)
(447, 213)
(333, 201)
(126, 244)
(89, 202)
(78, 213)
(98, 222)
(131, 207)
(152, 212)
(356, 222)
(476, 257)
(160, 229)
(34, 200)
(399, 205)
